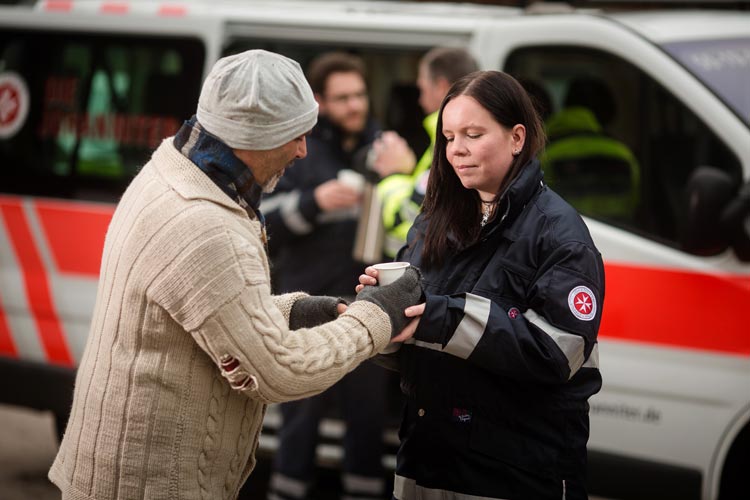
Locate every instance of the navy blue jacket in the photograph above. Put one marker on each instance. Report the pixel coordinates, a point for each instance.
(499, 371)
(311, 250)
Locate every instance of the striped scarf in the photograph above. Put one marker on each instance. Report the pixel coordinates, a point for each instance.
(219, 163)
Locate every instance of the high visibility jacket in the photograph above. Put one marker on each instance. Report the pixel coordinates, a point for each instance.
(579, 155)
(498, 374)
(402, 194)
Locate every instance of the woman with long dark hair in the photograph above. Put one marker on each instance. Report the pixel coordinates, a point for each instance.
(501, 359)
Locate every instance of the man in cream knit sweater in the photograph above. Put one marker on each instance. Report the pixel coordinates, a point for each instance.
(187, 345)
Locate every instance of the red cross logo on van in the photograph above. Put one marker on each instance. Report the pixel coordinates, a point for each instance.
(582, 303)
(8, 104)
(14, 103)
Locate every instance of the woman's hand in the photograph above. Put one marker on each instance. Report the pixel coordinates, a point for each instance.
(410, 312)
(369, 278)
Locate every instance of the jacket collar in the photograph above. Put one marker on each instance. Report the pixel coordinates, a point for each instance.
(218, 161)
(519, 193)
(187, 180)
(430, 125)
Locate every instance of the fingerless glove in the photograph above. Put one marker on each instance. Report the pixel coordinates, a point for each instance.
(394, 298)
(312, 311)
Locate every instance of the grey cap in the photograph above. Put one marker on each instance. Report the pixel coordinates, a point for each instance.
(256, 100)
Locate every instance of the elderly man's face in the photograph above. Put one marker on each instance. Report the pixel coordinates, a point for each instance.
(268, 166)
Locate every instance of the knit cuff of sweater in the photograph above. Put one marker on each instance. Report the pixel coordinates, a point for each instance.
(286, 302)
(374, 319)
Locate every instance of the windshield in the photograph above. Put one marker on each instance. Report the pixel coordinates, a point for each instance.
(723, 65)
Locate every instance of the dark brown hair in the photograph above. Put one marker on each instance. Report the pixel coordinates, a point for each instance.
(328, 63)
(451, 209)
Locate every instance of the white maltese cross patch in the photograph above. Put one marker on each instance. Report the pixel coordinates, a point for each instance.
(582, 303)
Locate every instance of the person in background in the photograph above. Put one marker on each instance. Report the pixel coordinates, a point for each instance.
(500, 362)
(187, 344)
(312, 220)
(581, 156)
(402, 193)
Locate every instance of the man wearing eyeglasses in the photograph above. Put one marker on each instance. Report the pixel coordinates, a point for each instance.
(312, 221)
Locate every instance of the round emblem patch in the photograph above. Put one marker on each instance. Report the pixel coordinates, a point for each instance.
(582, 303)
(14, 104)
(513, 313)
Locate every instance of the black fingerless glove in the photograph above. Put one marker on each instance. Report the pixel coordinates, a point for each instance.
(394, 298)
(308, 312)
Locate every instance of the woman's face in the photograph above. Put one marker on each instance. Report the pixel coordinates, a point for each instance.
(478, 147)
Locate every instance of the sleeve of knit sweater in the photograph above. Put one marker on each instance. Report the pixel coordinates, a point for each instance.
(219, 291)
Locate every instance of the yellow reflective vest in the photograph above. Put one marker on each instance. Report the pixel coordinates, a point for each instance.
(402, 194)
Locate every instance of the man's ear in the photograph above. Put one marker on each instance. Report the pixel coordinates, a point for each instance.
(443, 84)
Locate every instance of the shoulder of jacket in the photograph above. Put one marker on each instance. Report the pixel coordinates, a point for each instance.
(560, 221)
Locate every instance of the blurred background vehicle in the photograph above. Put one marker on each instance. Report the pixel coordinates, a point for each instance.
(89, 88)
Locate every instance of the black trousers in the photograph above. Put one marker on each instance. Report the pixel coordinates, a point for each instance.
(360, 401)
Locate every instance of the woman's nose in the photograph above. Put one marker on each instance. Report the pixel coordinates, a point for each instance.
(459, 146)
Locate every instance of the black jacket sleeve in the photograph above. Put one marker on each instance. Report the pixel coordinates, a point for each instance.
(548, 342)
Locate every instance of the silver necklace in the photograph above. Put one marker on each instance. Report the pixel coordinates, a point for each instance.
(486, 212)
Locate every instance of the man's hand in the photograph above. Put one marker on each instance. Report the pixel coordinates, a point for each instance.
(392, 155)
(334, 195)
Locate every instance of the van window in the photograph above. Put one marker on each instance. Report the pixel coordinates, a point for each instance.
(620, 147)
(391, 77)
(80, 113)
(723, 65)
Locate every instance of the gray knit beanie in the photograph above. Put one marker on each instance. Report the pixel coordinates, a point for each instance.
(256, 100)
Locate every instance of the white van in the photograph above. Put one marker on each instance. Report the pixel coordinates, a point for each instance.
(87, 90)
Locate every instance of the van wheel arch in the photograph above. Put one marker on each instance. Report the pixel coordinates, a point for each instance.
(734, 484)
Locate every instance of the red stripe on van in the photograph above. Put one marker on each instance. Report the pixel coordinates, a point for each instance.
(75, 233)
(114, 8)
(37, 285)
(677, 308)
(59, 5)
(172, 10)
(7, 346)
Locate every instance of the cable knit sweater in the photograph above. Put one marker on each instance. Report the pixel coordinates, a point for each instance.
(187, 346)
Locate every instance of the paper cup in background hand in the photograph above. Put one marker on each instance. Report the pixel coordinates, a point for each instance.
(351, 178)
(388, 272)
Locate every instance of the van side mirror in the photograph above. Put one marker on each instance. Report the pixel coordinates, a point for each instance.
(717, 214)
(736, 220)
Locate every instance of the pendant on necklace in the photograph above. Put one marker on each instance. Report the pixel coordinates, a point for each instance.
(486, 211)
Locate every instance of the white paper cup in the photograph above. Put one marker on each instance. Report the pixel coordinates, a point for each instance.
(351, 178)
(388, 272)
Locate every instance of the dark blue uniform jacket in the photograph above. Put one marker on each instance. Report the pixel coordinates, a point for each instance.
(499, 371)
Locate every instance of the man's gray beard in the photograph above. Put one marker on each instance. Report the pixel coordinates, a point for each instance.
(269, 186)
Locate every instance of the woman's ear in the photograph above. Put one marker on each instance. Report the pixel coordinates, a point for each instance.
(518, 136)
